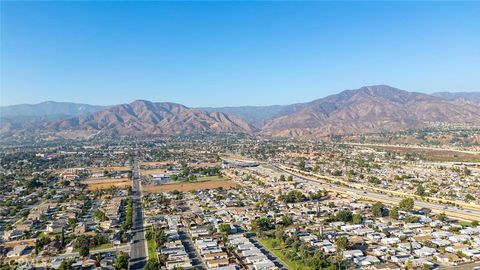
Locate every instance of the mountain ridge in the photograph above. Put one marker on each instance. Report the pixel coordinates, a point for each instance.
(369, 109)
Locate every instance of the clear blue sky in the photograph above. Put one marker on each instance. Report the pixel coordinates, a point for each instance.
(233, 53)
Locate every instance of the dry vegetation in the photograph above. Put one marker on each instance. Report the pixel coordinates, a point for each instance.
(94, 184)
(152, 172)
(435, 154)
(109, 169)
(188, 186)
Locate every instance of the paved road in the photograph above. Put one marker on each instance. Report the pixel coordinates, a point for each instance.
(192, 254)
(278, 263)
(382, 197)
(138, 250)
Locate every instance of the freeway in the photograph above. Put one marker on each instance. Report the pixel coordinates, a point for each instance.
(138, 248)
(451, 211)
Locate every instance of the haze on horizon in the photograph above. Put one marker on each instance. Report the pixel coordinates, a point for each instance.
(232, 53)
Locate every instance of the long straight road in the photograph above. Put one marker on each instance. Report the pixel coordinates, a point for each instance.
(138, 250)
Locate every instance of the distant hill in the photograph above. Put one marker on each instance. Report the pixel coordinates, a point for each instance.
(144, 118)
(257, 115)
(457, 95)
(368, 110)
(473, 97)
(49, 110)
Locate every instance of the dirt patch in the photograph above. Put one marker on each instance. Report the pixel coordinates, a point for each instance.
(152, 172)
(109, 169)
(435, 154)
(94, 184)
(188, 186)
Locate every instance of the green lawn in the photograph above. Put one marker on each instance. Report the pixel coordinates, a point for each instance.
(211, 178)
(278, 251)
(152, 246)
(103, 246)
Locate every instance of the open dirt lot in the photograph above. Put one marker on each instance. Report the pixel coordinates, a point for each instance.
(110, 169)
(94, 184)
(435, 154)
(152, 172)
(188, 186)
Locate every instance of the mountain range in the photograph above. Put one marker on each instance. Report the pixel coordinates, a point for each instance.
(369, 109)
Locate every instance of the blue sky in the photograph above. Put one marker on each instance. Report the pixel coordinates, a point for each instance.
(233, 53)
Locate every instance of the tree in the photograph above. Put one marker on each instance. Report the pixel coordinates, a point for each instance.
(341, 243)
(262, 224)
(344, 215)
(282, 178)
(290, 178)
(84, 251)
(407, 204)
(294, 196)
(62, 238)
(152, 264)
(100, 215)
(357, 219)
(72, 222)
(224, 228)
(301, 164)
(66, 265)
(394, 213)
(377, 209)
(420, 191)
(469, 197)
(287, 221)
(121, 261)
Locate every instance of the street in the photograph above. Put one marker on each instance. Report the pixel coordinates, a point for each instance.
(267, 253)
(138, 249)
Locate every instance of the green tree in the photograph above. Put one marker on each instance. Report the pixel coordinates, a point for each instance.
(344, 215)
(224, 228)
(121, 261)
(84, 251)
(301, 164)
(152, 264)
(262, 224)
(72, 222)
(420, 191)
(377, 209)
(357, 219)
(66, 265)
(341, 243)
(100, 215)
(394, 213)
(407, 204)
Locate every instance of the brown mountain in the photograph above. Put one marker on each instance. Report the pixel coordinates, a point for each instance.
(368, 110)
(145, 118)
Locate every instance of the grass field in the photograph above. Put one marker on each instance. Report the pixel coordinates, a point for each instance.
(211, 178)
(278, 251)
(152, 246)
(209, 182)
(103, 246)
(94, 184)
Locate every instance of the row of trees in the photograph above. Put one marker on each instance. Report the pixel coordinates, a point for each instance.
(296, 196)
